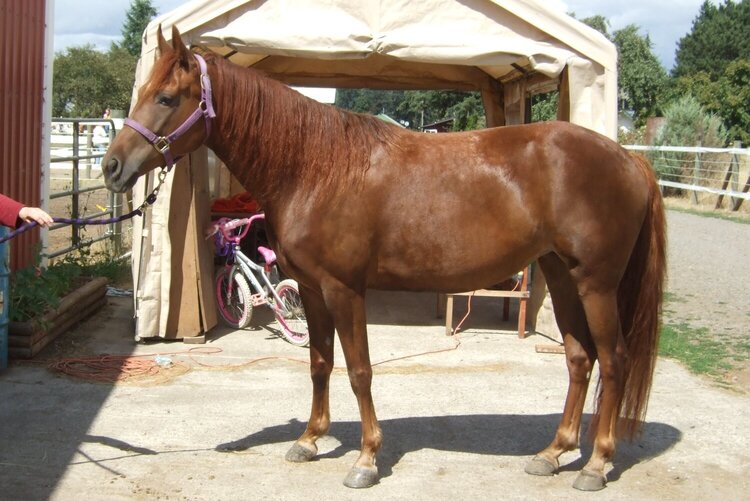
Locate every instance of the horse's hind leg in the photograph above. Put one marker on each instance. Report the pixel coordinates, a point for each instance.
(320, 323)
(579, 354)
(600, 304)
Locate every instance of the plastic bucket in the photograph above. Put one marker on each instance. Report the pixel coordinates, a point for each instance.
(4, 299)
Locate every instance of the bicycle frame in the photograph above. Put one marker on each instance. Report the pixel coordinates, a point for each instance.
(248, 267)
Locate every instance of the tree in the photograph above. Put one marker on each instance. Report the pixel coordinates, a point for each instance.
(641, 77)
(719, 35)
(417, 107)
(137, 18)
(599, 23)
(424, 107)
(727, 96)
(82, 83)
(370, 101)
(733, 90)
(544, 106)
(121, 65)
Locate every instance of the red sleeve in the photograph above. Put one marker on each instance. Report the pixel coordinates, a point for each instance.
(9, 211)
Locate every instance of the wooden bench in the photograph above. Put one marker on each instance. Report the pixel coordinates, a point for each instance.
(522, 294)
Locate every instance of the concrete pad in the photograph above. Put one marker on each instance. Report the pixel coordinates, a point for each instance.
(458, 423)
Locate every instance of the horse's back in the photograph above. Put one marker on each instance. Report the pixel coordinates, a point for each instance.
(460, 211)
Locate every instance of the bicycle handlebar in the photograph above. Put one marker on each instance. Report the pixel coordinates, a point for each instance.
(225, 227)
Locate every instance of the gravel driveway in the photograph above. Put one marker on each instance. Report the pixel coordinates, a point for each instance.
(709, 281)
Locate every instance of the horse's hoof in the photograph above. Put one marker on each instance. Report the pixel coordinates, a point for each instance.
(590, 481)
(541, 466)
(360, 478)
(300, 454)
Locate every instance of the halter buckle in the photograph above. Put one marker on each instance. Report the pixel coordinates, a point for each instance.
(161, 144)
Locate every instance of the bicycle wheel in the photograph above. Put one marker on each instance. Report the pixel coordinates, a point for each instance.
(233, 298)
(291, 317)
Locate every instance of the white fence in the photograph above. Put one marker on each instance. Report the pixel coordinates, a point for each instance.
(714, 171)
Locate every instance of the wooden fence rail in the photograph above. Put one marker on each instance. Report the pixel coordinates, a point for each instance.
(716, 171)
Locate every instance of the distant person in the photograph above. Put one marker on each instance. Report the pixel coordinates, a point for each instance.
(13, 214)
(107, 116)
(100, 140)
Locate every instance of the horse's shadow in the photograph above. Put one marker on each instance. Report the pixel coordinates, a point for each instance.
(492, 434)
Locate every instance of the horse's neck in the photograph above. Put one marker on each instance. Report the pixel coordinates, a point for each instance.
(251, 152)
(277, 142)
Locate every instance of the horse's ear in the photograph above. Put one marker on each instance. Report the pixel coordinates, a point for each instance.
(183, 54)
(164, 47)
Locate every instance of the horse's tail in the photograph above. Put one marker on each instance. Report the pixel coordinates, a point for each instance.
(639, 303)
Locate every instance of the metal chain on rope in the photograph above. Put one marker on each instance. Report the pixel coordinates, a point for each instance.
(148, 202)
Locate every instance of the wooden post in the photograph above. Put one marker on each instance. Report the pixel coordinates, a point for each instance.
(494, 103)
(696, 174)
(736, 201)
(563, 102)
(744, 190)
(733, 173)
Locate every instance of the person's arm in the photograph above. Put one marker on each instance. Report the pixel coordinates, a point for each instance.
(13, 213)
(9, 210)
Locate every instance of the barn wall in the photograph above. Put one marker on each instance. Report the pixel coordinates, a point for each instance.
(22, 49)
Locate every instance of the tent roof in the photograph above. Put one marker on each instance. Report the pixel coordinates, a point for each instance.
(445, 41)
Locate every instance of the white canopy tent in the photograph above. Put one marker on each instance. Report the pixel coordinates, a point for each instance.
(505, 49)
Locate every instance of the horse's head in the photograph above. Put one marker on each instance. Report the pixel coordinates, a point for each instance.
(164, 124)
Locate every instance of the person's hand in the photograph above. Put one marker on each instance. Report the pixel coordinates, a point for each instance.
(29, 214)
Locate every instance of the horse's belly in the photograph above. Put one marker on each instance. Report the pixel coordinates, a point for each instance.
(450, 264)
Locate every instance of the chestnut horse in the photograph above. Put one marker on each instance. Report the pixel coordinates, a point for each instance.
(353, 203)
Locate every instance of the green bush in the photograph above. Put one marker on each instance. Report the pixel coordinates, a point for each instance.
(687, 124)
(35, 290)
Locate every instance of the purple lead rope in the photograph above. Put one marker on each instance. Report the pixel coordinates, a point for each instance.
(149, 201)
(80, 221)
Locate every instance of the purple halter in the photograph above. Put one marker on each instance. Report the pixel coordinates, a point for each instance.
(205, 109)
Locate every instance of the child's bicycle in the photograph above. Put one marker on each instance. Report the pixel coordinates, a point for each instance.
(235, 281)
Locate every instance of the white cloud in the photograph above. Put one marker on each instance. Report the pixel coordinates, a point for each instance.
(78, 22)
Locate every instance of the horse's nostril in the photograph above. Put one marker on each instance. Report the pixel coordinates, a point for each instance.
(113, 168)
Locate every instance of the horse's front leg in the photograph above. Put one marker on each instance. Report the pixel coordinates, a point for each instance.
(348, 308)
(320, 323)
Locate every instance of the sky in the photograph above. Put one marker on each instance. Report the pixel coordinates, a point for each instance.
(78, 22)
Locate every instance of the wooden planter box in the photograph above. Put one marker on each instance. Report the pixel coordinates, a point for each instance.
(26, 339)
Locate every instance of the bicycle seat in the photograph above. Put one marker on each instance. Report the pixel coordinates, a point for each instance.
(269, 256)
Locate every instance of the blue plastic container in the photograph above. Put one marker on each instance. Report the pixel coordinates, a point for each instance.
(4, 299)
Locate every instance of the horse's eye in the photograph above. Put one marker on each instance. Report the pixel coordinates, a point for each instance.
(164, 100)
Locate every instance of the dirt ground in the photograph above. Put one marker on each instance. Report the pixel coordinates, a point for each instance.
(709, 284)
(460, 416)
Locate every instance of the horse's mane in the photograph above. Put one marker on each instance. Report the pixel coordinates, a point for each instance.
(275, 136)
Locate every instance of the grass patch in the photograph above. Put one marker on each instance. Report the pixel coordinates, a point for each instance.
(695, 349)
(670, 297)
(708, 212)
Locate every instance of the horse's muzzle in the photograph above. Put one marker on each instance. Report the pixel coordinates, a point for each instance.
(112, 169)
